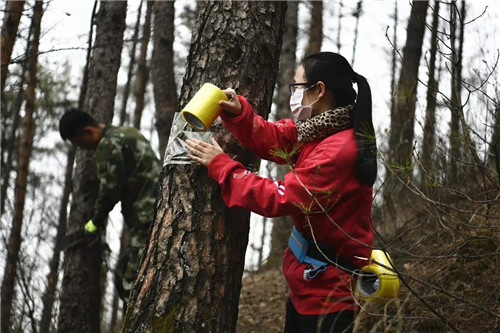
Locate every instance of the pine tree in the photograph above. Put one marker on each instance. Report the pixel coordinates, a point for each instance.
(191, 272)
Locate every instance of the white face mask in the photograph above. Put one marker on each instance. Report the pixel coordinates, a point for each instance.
(300, 112)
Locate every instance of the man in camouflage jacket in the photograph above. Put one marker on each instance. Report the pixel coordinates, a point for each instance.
(128, 171)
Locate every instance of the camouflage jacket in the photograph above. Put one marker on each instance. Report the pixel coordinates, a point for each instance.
(128, 171)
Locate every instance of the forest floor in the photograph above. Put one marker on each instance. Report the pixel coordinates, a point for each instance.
(262, 302)
(465, 292)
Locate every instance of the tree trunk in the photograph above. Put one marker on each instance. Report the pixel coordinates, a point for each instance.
(455, 102)
(53, 276)
(394, 51)
(403, 106)
(468, 146)
(403, 113)
(190, 278)
(11, 18)
(124, 243)
(315, 28)
(126, 89)
(357, 15)
(162, 70)
(85, 80)
(81, 296)
(429, 140)
(10, 142)
(142, 74)
(494, 159)
(24, 155)
(282, 226)
(339, 25)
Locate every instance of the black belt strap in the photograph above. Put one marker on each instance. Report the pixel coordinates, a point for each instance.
(345, 265)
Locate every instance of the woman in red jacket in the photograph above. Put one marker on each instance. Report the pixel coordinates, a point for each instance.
(330, 146)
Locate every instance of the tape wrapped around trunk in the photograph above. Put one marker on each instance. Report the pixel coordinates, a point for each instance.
(176, 152)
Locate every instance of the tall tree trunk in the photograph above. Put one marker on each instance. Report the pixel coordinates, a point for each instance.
(357, 14)
(429, 140)
(394, 51)
(142, 74)
(81, 296)
(126, 89)
(494, 159)
(403, 112)
(455, 102)
(468, 145)
(85, 79)
(282, 226)
(10, 24)
(162, 70)
(9, 142)
(24, 155)
(339, 25)
(190, 278)
(403, 106)
(315, 28)
(53, 276)
(124, 243)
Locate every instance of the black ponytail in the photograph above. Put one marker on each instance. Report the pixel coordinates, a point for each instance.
(337, 74)
(366, 161)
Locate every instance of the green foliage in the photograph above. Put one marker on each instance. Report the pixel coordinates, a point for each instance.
(405, 168)
(284, 154)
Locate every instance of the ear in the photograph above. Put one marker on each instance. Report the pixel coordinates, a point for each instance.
(322, 89)
(87, 130)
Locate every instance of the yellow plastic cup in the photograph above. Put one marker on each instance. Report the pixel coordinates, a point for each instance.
(204, 108)
(377, 284)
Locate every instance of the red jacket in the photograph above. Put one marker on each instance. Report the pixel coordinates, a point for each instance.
(326, 168)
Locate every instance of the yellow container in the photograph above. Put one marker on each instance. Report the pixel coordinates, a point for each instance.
(377, 283)
(204, 108)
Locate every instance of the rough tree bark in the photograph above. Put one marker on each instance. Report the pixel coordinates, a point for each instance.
(142, 74)
(315, 27)
(24, 155)
(429, 140)
(190, 277)
(162, 70)
(80, 296)
(282, 226)
(10, 24)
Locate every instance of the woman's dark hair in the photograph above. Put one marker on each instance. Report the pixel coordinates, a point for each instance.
(73, 122)
(337, 74)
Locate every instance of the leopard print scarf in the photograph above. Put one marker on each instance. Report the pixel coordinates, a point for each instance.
(325, 124)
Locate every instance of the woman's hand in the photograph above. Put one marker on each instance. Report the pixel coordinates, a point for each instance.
(203, 152)
(232, 106)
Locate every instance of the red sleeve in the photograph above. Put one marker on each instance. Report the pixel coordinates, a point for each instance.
(259, 135)
(269, 198)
